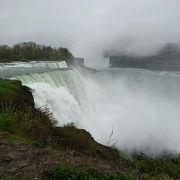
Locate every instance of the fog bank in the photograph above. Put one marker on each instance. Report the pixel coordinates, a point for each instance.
(91, 27)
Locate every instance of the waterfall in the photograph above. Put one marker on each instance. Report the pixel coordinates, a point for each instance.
(62, 91)
(8, 70)
(53, 64)
(141, 107)
(42, 64)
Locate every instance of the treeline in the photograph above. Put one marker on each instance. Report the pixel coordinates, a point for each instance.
(169, 50)
(27, 51)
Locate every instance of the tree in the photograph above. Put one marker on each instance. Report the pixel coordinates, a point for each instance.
(27, 51)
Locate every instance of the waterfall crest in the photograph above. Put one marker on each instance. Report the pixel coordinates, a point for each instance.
(8, 70)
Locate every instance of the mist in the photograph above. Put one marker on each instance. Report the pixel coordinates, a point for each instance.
(140, 107)
(90, 28)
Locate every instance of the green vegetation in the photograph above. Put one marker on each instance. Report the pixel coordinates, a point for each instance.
(160, 166)
(21, 140)
(13, 94)
(27, 51)
(7, 118)
(18, 116)
(6, 87)
(25, 127)
(125, 176)
(69, 173)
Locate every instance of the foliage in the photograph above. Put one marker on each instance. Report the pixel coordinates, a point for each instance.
(7, 86)
(67, 172)
(126, 176)
(159, 166)
(12, 93)
(22, 140)
(31, 51)
(18, 116)
(95, 172)
(8, 118)
(63, 172)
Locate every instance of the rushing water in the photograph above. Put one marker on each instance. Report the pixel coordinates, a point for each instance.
(20, 68)
(140, 107)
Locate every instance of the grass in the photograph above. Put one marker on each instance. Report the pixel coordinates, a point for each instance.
(24, 141)
(169, 167)
(8, 86)
(62, 172)
(8, 117)
(31, 127)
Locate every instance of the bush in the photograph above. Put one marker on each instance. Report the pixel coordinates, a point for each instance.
(34, 125)
(95, 173)
(8, 118)
(126, 176)
(168, 166)
(69, 173)
(110, 176)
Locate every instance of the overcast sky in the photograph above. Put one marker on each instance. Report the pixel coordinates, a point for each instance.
(90, 27)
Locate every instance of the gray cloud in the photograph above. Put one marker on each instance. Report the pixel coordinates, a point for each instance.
(91, 27)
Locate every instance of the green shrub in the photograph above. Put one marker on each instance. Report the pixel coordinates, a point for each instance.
(110, 176)
(125, 176)
(24, 141)
(95, 172)
(69, 173)
(30, 126)
(82, 175)
(7, 87)
(8, 118)
(168, 166)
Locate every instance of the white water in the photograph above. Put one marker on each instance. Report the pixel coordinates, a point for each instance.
(63, 92)
(8, 70)
(43, 64)
(142, 107)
